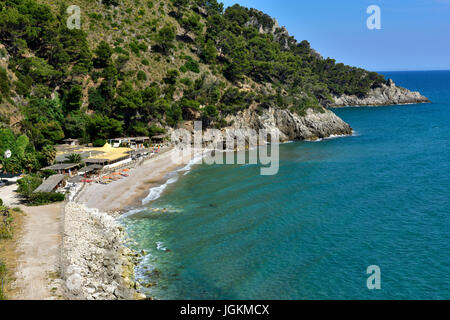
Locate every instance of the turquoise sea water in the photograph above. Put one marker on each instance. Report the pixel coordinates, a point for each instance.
(381, 197)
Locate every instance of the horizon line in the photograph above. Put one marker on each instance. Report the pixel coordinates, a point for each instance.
(410, 70)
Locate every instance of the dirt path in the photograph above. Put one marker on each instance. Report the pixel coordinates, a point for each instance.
(38, 253)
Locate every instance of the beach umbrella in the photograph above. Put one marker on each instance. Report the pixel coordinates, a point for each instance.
(116, 173)
(106, 177)
(126, 170)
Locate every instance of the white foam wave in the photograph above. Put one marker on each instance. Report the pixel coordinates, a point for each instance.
(156, 192)
(160, 246)
(132, 212)
(196, 159)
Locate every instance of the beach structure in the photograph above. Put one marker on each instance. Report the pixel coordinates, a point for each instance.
(76, 179)
(71, 142)
(89, 171)
(159, 138)
(62, 156)
(105, 157)
(51, 184)
(135, 143)
(110, 157)
(69, 169)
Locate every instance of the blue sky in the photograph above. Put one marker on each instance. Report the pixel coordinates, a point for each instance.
(414, 35)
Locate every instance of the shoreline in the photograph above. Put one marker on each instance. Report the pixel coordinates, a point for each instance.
(96, 263)
(126, 193)
(378, 105)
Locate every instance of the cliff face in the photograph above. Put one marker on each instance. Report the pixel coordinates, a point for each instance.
(387, 94)
(312, 126)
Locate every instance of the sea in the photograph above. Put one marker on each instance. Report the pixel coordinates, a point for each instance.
(337, 210)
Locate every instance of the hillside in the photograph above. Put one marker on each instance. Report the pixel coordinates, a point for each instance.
(142, 67)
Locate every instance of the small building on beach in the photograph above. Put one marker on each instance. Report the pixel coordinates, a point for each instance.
(51, 184)
(134, 143)
(105, 156)
(159, 138)
(71, 142)
(89, 171)
(110, 157)
(69, 169)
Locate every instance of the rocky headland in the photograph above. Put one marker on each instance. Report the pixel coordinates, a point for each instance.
(387, 94)
(312, 125)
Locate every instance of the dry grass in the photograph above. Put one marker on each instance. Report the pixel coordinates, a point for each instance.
(8, 251)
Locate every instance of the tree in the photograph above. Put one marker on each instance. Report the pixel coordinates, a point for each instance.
(44, 110)
(209, 114)
(7, 140)
(188, 107)
(74, 158)
(4, 83)
(48, 133)
(237, 13)
(209, 52)
(98, 143)
(180, 5)
(74, 97)
(165, 37)
(103, 55)
(38, 69)
(111, 2)
(109, 83)
(104, 127)
(30, 162)
(20, 145)
(48, 155)
(192, 24)
(75, 125)
(174, 114)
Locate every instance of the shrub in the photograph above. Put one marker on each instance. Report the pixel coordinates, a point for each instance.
(190, 65)
(155, 130)
(47, 173)
(5, 223)
(141, 76)
(43, 198)
(99, 143)
(28, 184)
(171, 77)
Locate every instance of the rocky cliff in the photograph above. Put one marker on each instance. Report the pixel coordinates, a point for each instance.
(311, 126)
(387, 94)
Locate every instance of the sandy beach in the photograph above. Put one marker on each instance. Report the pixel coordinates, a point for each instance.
(118, 195)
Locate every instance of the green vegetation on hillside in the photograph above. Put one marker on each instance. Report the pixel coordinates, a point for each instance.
(140, 66)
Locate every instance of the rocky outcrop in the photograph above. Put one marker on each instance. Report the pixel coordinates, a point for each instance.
(290, 126)
(95, 265)
(387, 94)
